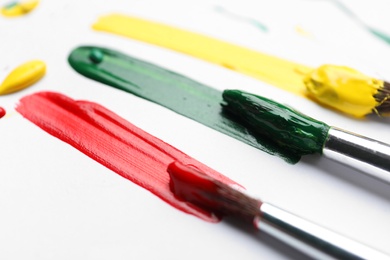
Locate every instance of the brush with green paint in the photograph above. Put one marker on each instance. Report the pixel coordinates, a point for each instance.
(304, 135)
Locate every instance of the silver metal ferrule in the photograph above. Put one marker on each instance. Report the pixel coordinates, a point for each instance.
(311, 239)
(364, 154)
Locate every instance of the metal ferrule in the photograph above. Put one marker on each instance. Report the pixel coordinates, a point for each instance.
(311, 239)
(364, 154)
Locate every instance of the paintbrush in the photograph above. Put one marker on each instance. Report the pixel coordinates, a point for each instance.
(197, 188)
(303, 135)
(347, 90)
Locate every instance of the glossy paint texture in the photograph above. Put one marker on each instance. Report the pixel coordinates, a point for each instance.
(2, 112)
(168, 89)
(289, 128)
(23, 76)
(344, 89)
(192, 185)
(114, 142)
(188, 184)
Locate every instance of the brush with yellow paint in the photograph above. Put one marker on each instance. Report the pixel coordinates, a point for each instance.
(348, 90)
(341, 88)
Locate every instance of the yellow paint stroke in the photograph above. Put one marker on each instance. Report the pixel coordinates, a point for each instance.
(19, 8)
(244, 60)
(23, 76)
(338, 93)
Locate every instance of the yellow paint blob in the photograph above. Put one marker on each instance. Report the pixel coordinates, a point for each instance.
(19, 8)
(275, 71)
(344, 89)
(23, 76)
(338, 87)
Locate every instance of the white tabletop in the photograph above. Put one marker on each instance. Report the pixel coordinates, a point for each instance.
(57, 203)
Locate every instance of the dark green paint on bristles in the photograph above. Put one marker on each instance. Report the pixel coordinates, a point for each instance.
(264, 117)
(173, 91)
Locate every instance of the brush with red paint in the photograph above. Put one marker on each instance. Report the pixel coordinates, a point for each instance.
(203, 191)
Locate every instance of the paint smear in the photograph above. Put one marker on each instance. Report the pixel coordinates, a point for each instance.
(252, 63)
(114, 142)
(2, 112)
(238, 17)
(374, 32)
(23, 76)
(19, 8)
(379, 34)
(168, 89)
(281, 73)
(302, 32)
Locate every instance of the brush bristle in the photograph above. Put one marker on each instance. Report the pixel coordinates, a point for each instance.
(196, 187)
(265, 118)
(383, 98)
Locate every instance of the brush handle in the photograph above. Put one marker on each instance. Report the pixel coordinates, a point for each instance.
(364, 154)
(311, 239)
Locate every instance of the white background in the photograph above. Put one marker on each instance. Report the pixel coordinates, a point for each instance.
(57, 203)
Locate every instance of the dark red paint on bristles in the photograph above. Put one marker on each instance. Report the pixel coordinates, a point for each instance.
(2, 112)
(192, 185)
(189, 184)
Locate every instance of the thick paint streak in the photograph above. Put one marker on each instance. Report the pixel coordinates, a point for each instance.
(114, 142)
(258, 65)
(166, 88)
(344, 89)
(281, 73)
(23, 76)
(192, 185)
(2, 112)
(186, 184)
(19, 8)
(291, 129)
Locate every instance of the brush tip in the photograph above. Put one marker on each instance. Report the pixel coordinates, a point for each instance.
(194, 186)
(263, 117)
(190, 184)
(383, 99)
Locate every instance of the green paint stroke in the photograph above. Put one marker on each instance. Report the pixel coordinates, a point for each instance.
(251, 21)
(168, 89)
(381, 35)
(378, 34)
(289, 128)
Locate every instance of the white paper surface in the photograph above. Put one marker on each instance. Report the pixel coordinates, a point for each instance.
(57, 203)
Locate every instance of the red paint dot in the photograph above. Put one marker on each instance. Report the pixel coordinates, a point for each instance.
(2, 112)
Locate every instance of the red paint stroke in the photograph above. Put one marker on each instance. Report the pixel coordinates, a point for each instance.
(2, 112)
(114, 142)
